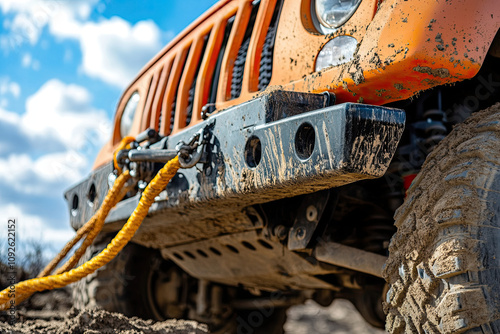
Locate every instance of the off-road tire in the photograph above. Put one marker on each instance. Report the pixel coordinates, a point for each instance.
(121, 285)
(444, 263)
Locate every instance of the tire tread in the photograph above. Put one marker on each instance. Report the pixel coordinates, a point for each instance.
(440, 275)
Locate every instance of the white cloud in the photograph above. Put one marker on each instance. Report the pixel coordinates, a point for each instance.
(51, 172)
(33, 227)
(32, 181)
(8, 87)
(27, 61)
(112, 49)
(31, 16)
(23, 26)
(57, 115)
(9, 117)
(64, 113)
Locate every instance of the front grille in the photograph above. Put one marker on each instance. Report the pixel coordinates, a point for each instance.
(224, 67)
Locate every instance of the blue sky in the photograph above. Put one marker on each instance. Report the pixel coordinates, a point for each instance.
(63, 67)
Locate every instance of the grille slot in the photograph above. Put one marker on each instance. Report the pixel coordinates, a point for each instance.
(189, 109)
(172, 113)
(175, 87)
(147, 102)
(266, 58)
(239, 62)
(215, 79)
(156, 122)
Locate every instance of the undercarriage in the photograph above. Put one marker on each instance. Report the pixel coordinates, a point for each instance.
(292, 198)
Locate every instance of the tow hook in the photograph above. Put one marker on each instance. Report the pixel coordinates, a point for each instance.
(140, 159)
(191, 153)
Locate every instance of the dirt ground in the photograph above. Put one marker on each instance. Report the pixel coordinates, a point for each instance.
(341, 317)
(98, 321)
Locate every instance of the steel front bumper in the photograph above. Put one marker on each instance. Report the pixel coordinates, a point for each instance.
(278, 145)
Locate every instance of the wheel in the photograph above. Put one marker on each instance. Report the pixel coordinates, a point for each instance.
(444, 262)
(369, 305)
(130, 284)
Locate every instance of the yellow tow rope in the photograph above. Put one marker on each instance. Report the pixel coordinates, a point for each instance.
(66, 275)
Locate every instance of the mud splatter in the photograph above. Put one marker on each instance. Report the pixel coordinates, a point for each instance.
(436, 72)
(398, 86)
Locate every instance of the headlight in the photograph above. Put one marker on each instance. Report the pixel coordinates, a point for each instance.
(128, 114)
(338, 51)
(334, 13)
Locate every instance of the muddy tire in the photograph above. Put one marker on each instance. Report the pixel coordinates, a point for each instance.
(121, 285)
(444, 263)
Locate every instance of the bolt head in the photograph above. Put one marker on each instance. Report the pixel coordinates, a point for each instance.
(311, 213)
(280, 232)
(300, 233)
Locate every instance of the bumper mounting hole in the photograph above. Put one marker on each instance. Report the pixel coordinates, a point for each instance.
(304, 141)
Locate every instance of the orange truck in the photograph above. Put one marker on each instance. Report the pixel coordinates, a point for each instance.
(329, 149)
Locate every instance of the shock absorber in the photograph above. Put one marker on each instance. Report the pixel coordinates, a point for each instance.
(422, 135)
(434, 128)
